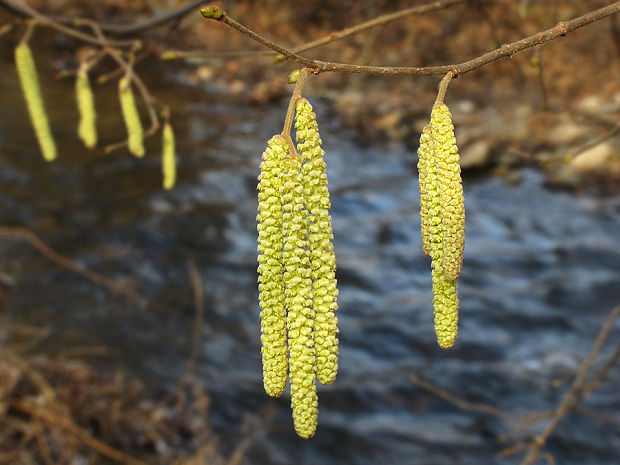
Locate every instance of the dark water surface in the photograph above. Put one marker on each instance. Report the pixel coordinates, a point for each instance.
(541, 272)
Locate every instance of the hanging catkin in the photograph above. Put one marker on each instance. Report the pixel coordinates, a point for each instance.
(320, 236)
(87, 130)
(445, 302)
(27, 72)
(131, 116)
(270, 267)
(451, 190)
(298, 300)
(442, 215)
(168, 164)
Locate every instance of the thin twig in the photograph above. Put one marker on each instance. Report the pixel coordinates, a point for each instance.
(599, 417)
(33, 240)
(199, 308)
(23, 9)
(329, 38)
(378, 21)
(613, 132)
(572, 396)
(290, 112)
(602, 374)
(506, 50)
(461, 403)
(443, 86)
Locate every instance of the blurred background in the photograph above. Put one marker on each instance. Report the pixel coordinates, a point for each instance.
(159, 363)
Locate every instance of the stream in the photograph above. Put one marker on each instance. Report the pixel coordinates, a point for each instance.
(541, 272)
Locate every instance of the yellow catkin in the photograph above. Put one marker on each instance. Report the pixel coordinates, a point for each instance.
(445, 301)
(451, 190)
(270, 267)
(424, 153)
(320, 236)
(298, 297)
(87, 130)
(131, 116)
(168, 163)
(27, 73)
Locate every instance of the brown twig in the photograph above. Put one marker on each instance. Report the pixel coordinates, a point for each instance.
(199, 307)
(613, 132)
(571, 397)
(443, 86)
(26, 11)
(602, 374)
(33, 240)
(378, 21)
(461, 403)
(327, 39)
(506, 50)
(290, 112)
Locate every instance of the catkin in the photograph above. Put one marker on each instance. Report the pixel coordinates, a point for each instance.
(424, 154)
(131, 116)
(451, 192)
(440, 195)
(87, 130)
(27, 72)
(168, 163)
(270, 267)
(298, 298)
(320, 236)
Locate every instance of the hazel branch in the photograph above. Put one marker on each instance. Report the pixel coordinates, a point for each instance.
(572, 396)
(505, 50)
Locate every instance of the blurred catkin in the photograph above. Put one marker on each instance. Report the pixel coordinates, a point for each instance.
(131, 116)
(451, 190)
(271, 268)
(298, 298)
(320, 236)
(87, 130)
(169, 169)
(28, 78)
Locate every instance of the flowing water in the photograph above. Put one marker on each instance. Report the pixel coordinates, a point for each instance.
(541, 272)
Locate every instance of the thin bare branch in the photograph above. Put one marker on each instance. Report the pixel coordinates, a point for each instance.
(571, 397)
(33, 240)
(506, 50)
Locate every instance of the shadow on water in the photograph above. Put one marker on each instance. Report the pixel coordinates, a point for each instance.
(541, 271)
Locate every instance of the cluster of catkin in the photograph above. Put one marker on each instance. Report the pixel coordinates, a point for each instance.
(442, 212)
(297, 265)
(87, 129)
